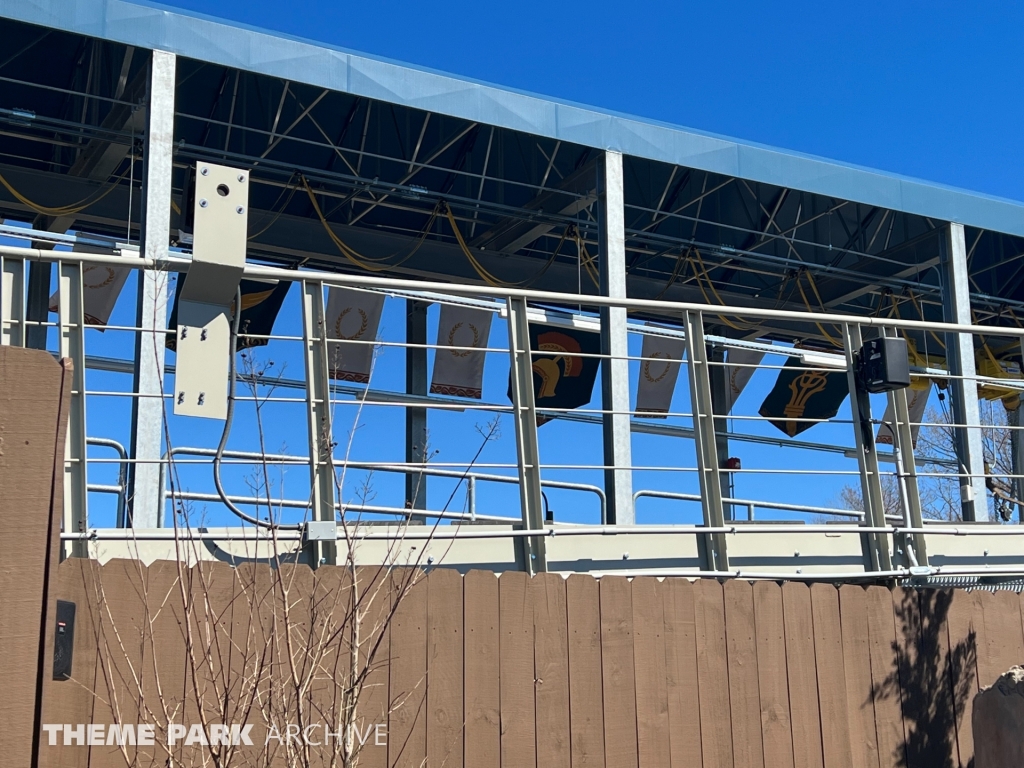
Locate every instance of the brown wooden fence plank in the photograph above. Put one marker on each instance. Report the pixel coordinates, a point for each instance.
(1000, 645)
(828, 655)
(374, 590)
(515, 660)
(551, 662)
(914, 695)
(744, 699)
(482, 699)
(586, 704)
(934, 651)
(331, 610)
(885, 680)
(653, 746)
(963, 669)
(803, 682)
(71, 701)
(853, 614)
(444, 668)
(122, 610)
(773, 685)
(166, 669)
(681, 673)
(712, 673)
(617, 670)
(407, 732)
(34, 401)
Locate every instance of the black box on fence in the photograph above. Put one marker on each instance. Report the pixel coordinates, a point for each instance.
(883, 365)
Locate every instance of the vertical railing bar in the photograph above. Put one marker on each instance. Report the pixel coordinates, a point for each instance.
(876, 547)
(71, 342)
(318, 415)
(527, 442)
(708, 471)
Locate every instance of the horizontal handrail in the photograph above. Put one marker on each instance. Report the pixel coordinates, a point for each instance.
(179, 264)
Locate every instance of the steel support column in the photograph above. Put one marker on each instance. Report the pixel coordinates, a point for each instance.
(416, 418)
(715, 554)
(319, 417)
(877, 555)
(148, 406)
(618, 477)
(956, 305)
(37, 305)
(527, 442)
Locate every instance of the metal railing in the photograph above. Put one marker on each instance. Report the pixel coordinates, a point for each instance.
(890, 495)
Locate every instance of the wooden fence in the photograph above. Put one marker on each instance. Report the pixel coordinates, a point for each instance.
(482, 672)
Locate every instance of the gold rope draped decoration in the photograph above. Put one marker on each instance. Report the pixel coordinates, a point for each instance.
(803, 295)
(366, 262)
(711, 287)
(62, 210)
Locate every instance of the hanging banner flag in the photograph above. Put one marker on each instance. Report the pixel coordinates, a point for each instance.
(460, 372)
(917, 399)
(261, 303)
(658, 373)
(739, 367)
(800, 393)
(561, 378)
(101, 285)
(352, 316)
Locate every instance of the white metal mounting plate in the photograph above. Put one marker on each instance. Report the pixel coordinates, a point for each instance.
(205, 302)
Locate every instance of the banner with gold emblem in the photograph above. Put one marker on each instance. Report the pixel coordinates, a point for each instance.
(352, 318)
(562, 378)
(261, 303)
(659, 370)
(101, 285)
(917, 399)
(803, 393)
(739, 367)
(458, 366)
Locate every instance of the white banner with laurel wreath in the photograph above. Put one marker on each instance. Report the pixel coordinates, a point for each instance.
(740, 365)
(458, 366)
(101, 285)
(353, 318)
(917, 398)
(659, 370)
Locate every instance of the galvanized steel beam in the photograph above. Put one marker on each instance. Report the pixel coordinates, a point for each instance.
(618, 478)
(148, 406)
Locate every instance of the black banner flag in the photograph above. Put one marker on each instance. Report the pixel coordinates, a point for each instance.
(561, 377)
(801, 393)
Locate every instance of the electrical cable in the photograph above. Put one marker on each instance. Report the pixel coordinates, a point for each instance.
(219, 456)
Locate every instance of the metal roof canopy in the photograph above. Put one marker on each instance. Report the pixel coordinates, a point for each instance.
(380, 143)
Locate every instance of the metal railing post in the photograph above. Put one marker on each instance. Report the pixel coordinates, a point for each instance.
(708, 471)
(318, 416)
(906, 469)
(71, 341)
(148, 406)
(877, 556)
(527, 442)
(12, 302)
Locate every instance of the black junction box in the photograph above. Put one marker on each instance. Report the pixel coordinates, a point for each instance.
(883, 365)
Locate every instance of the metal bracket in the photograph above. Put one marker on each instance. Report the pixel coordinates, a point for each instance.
(205, 304)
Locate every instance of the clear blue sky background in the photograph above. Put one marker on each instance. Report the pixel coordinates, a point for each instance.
(925, 89)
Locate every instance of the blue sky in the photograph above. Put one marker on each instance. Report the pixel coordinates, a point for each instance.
(927, 89)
